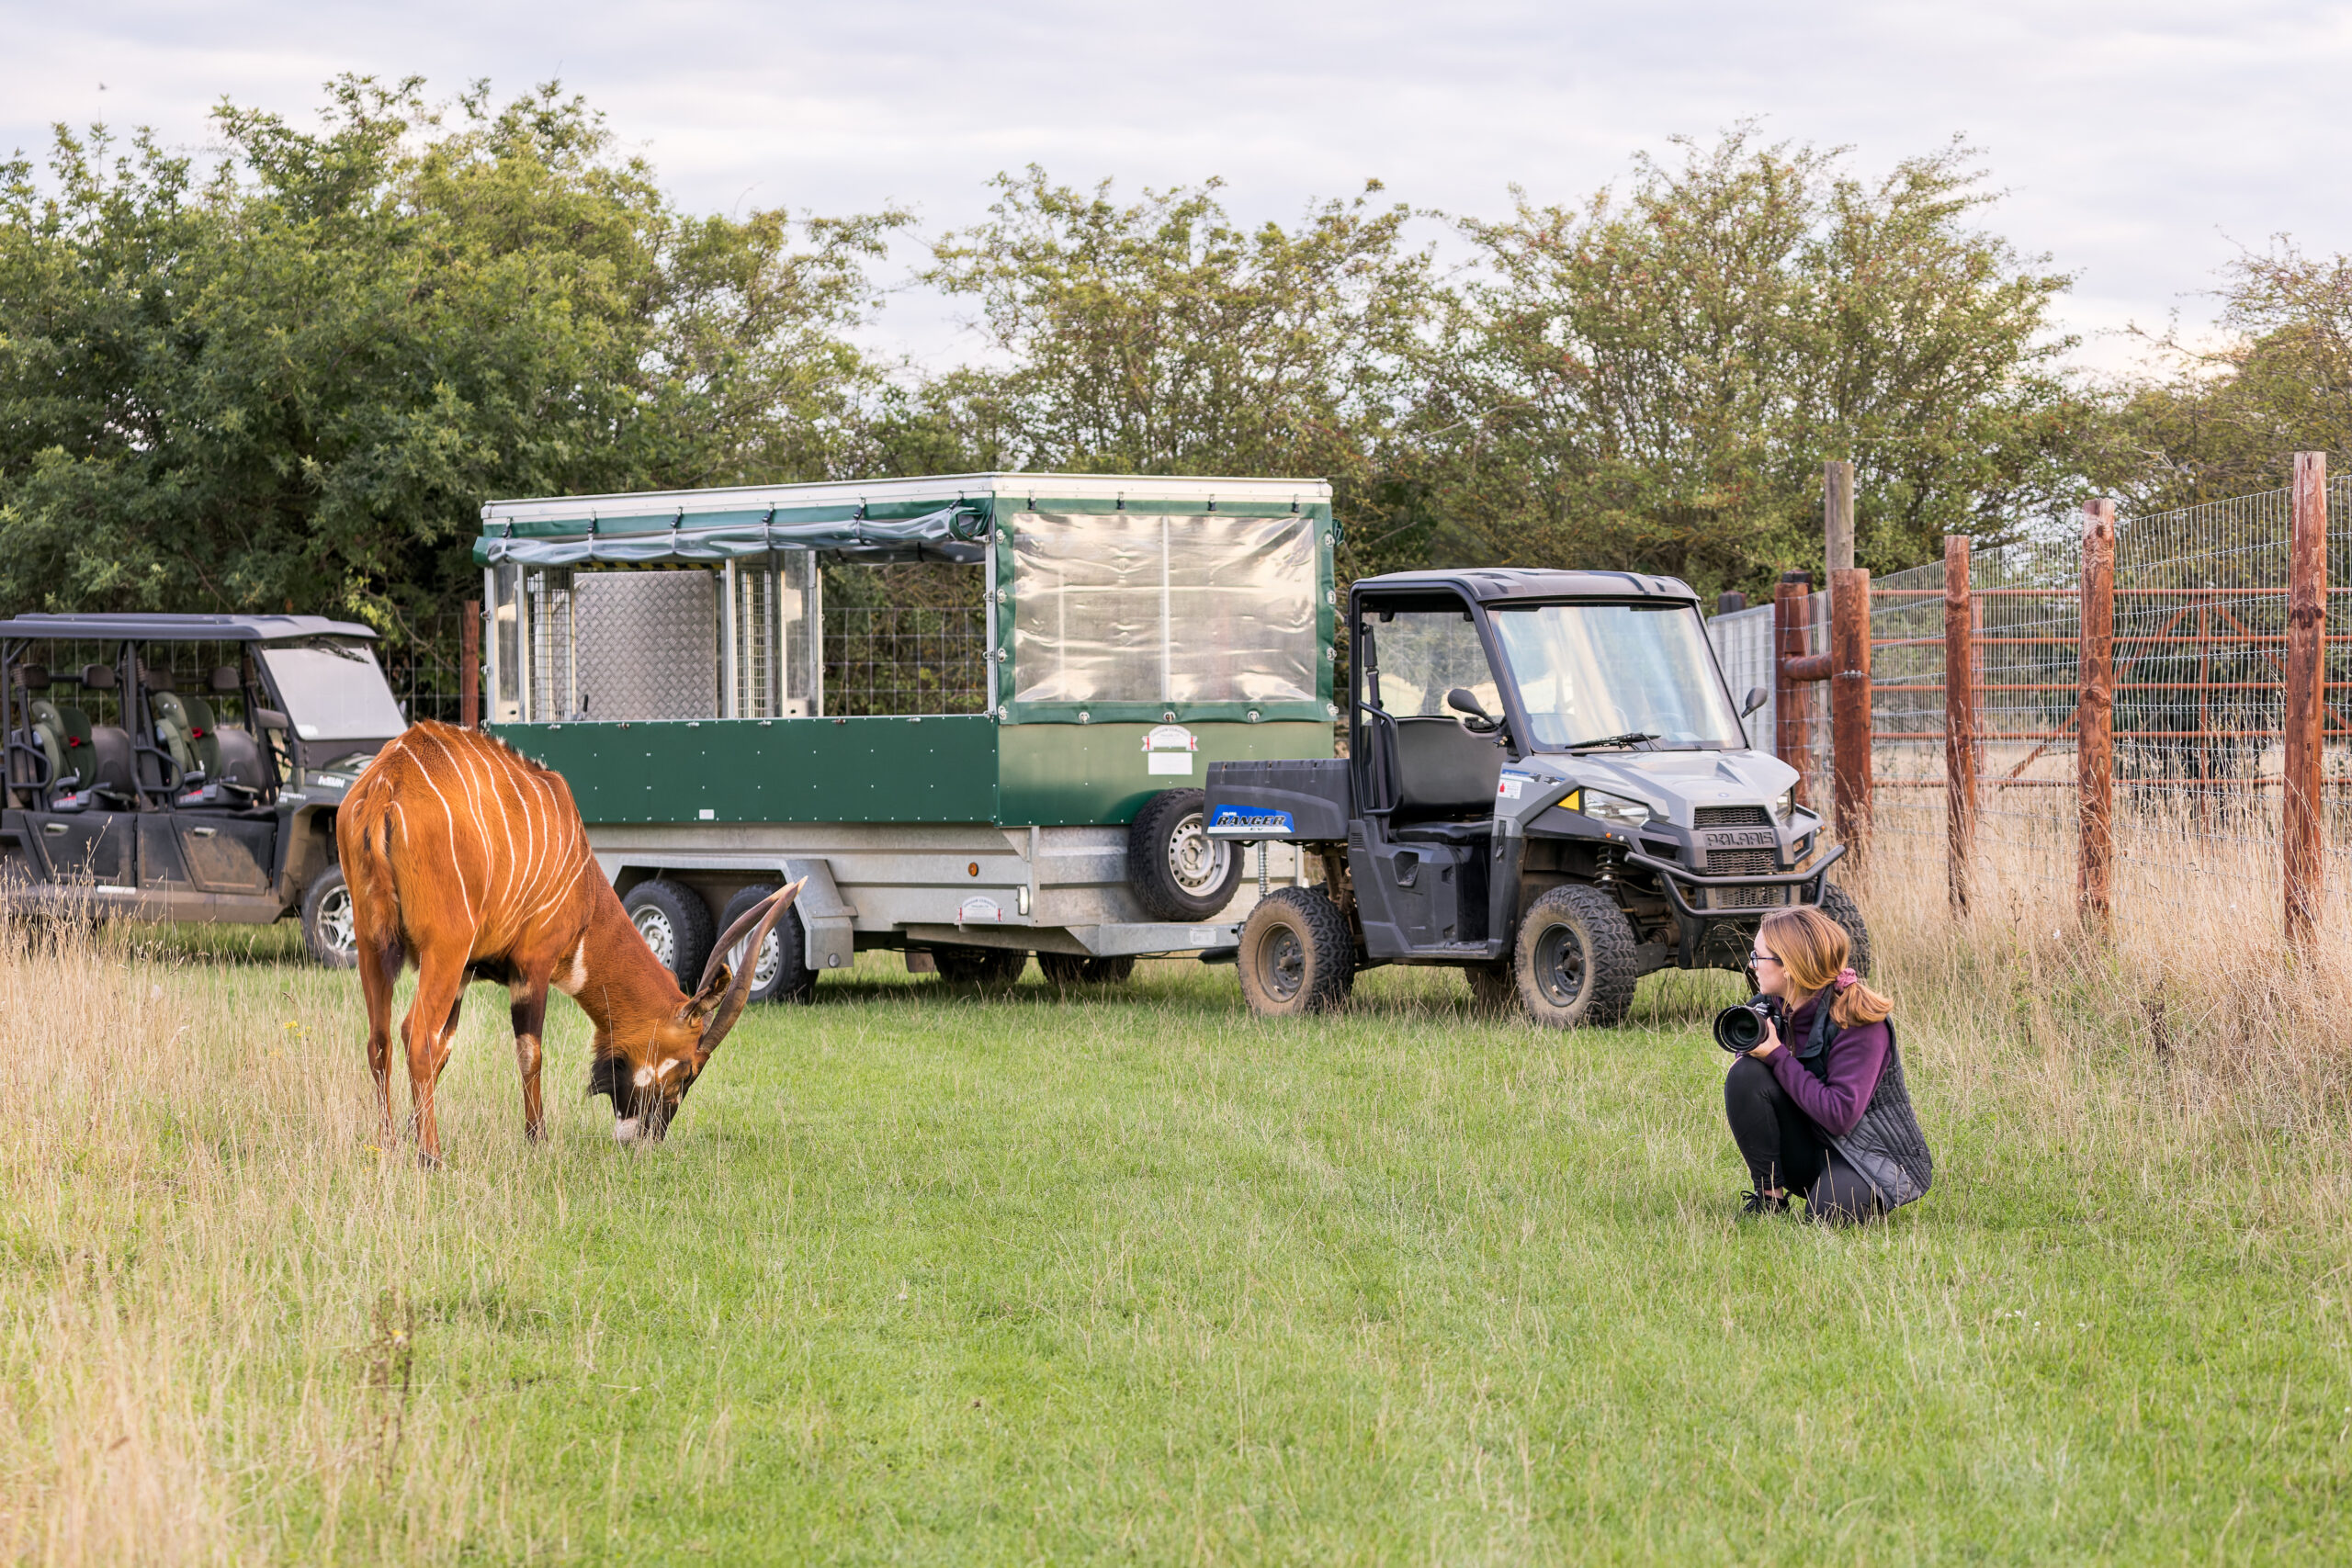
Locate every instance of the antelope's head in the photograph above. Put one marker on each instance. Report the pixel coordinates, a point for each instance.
(647, 1076)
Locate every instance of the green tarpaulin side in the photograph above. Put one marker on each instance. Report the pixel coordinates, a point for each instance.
(952, 534)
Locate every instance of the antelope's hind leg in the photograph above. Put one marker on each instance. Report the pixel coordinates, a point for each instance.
(380, 973)
(527, 996)
(432, 1021)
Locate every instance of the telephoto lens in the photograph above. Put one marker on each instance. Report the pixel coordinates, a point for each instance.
(1740, 1029)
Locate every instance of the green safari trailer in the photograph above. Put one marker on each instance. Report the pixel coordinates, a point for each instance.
(991, 744)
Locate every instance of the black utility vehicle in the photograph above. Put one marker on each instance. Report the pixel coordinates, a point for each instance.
(1547, 785)
(187, 767)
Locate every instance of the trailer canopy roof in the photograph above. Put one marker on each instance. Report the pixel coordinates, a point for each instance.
(943, 518)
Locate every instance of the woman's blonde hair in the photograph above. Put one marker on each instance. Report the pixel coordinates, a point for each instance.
(1813, 949)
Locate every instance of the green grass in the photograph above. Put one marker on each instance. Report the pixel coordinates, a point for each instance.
(1135, 1276)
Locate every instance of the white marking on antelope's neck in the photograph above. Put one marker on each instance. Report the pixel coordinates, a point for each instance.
(667, 1068)
(572, 975)
(625, 1129)
(644, 1076)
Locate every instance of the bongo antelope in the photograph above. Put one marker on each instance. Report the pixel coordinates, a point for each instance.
(472, 862)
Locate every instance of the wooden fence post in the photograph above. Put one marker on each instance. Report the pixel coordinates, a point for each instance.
(2305, 822)
(1838, 516)
(469, 666)
(1959, 716)
(2094, 714)
(1789, 697)
(1850, 698)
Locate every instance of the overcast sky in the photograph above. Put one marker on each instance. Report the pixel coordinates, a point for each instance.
(2138, 143)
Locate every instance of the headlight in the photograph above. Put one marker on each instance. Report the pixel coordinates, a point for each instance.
(1785, 809)
(1610, 808)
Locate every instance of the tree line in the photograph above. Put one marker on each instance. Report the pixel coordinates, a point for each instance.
(289, 377)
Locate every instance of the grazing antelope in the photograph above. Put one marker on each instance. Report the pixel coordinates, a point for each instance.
(472, 862)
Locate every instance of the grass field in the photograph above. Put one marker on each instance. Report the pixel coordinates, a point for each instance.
(927, 1278)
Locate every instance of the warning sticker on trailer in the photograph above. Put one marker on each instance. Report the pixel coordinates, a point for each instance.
(1167, 749)
(1513, 784)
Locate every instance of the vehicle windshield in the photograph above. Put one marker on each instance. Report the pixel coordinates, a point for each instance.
(333, 690)
(1593, 672)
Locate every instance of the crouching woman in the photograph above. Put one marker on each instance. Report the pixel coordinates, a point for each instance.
(1819, 1109)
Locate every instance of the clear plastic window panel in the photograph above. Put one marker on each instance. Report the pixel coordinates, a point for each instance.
(1140, 607)
(1424, 654)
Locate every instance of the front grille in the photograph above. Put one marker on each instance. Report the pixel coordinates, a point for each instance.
(1742, 863)
(1734, 817)
(1748, 897)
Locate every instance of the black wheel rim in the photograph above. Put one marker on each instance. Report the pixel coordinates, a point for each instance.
(1282, 964)
(1560, 966)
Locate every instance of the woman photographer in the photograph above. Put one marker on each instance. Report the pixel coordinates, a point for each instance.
(1821, 1112)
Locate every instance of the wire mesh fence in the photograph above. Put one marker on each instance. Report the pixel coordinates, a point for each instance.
(2201, 626)
(900, 659)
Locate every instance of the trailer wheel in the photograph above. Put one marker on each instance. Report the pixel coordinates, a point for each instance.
(1067, 970)
(327, 929)
(1177, 872)
(981, 968)
(1839, 906)
(675, 923)
(1574, 962)
(782, 971)
(1297, 955)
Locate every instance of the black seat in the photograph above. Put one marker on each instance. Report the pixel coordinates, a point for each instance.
(1475, 832)
(1445, 770)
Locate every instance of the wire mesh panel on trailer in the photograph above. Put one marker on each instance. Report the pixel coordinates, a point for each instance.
(905, 659)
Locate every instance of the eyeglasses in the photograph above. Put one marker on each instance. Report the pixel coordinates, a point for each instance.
(1761, 958)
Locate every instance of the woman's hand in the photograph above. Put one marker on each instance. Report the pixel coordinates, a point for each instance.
(1771, 1042)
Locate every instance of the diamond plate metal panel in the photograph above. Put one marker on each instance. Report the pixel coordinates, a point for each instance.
(647, 644)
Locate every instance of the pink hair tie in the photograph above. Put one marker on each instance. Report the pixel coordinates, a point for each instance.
(1846, 978)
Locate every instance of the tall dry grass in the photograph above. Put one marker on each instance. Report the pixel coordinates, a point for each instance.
(206, 1311)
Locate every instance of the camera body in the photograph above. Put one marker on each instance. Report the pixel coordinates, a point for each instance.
(1740, 1029)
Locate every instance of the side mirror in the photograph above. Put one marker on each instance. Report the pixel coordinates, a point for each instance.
(1757, 697)
(1461, 701)
(270, 719)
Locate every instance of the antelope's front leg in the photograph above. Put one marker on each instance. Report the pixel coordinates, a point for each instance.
(528, 996)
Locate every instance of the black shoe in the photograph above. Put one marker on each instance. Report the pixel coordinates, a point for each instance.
(1756, 1204)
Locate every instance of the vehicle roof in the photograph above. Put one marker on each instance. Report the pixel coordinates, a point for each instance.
(930, 489)
(1488, 584)
(145, 628)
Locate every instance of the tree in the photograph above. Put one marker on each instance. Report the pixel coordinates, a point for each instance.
(1653, 384)
(2224, 421)
(1156, 337)
(292, 383)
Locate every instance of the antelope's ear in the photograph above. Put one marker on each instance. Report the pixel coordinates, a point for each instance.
(696, 1014)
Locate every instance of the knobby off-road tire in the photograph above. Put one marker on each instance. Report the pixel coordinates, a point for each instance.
(1493, 988)
(781, 973)
(675, 924)
(984, 969)
(1069, 970)
(1297, 954)
(1573, 962)
(1177, 872)
(1839, 906)
(327, 930)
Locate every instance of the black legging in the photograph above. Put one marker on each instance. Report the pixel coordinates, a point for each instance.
(1784, 1147)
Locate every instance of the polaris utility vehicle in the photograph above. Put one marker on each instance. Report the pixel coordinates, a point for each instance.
(185, 767)
(1547, 785)
(971, 711)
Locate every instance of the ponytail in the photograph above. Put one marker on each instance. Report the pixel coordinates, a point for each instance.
(1813, 949)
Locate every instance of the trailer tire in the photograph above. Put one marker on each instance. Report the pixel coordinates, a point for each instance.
(984, 969)
(327, 929)
(782, 973)
(1297, 954)
(1574, 962)
(1177, 872)
(1069, 970)
(675, 924)
(1839, 906)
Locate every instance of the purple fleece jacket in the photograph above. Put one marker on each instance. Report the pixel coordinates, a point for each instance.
(1850, 1067)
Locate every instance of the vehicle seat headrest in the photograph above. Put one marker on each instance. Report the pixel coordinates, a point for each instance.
(98, 677)
(226, 681)
(156, 680)
(32, 677)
